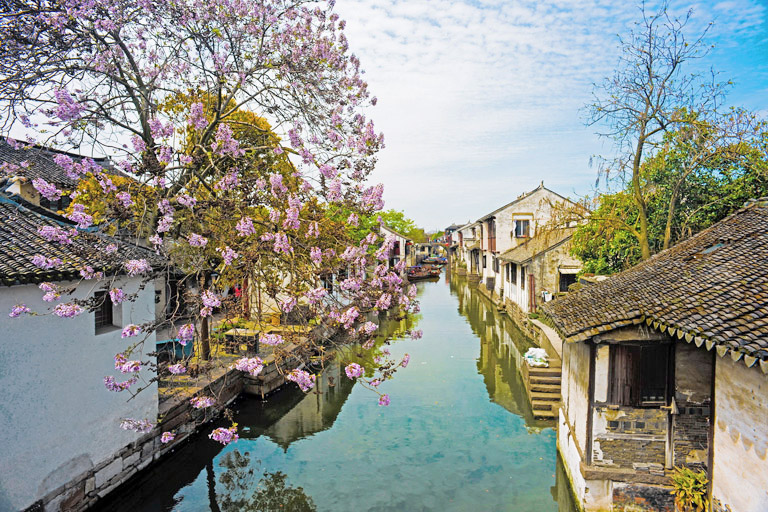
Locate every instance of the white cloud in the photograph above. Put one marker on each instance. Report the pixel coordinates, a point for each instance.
(479, 100)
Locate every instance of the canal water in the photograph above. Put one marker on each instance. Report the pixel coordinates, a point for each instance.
(458, 434)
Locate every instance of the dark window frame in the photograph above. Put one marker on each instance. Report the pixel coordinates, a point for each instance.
(639, 375)
(104, 313)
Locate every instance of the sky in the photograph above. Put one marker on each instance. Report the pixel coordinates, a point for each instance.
(480, 101)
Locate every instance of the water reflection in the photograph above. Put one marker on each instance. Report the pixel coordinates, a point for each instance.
(458, 435)
(502, 345)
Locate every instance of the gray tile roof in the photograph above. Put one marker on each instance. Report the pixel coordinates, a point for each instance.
(711, 289)
(41, 164)
(20, 242)
(537, 245)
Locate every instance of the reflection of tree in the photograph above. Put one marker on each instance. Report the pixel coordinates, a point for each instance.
(272, 492)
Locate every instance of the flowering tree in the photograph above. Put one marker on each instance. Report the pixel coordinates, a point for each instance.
(176, 91)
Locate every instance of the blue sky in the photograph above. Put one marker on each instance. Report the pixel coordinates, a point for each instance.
(481, 100)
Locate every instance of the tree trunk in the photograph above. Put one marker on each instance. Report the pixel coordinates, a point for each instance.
(205, 341)
(637, 194)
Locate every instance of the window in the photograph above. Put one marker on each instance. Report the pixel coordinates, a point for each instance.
(107, 317)
(496, 265)
(513, 272)
(567, 280)
(522, 278)
(485, 261)
(522, 228)
(638, 375)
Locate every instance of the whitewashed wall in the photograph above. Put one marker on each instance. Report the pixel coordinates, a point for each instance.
(56, 417)
(741, 436)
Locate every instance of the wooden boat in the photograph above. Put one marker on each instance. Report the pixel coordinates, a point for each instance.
(419, 273)
(435, 260)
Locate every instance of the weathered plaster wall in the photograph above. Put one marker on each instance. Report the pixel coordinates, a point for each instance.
(575, 388)
(544, 267)
(741, 437)
(625, 437)
(56, 417)
(693, 397)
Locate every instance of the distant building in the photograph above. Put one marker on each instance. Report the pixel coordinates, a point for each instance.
(401, 248)
(535, 271)
(509, 227)
(665, 365)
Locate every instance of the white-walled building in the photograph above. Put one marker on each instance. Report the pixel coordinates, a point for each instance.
(57, 419)
(510, 226)
(400, 249)
(666, 365)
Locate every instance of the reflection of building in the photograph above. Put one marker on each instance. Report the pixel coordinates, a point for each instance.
(315, 412)
(644, 390)
(501, 349)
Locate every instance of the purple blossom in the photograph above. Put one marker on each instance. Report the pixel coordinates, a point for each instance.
(165, 223)
(47, 190)
(186, 334)
(228, 254)
(282, 244)
(51, 292)
(187, 201)
(328, 171)
(160, 130)
(287, 304)
(130, 330)
(210, 299)
(18, 310)
(353, 219)
(201, 402)
(136, 267)
(117, 295)
(349, 316)
(384, 400)
(314, 296)
(177, 369)
(313, 230)
(250, 365)
(110, 249)
(79, 216)
(334, 190)
(197, 116)
(196, 240)
(156, 241)
(372, 197)
(227, 182)
(271, 339)
(245, 227)
(57, 234)
(406, 359)
(167, 437)
(67, 108)
(353, 370)
(138, 144)
(384, 301)
(112, 385)
(276, 182)
(125, 199)
(225, 143)
(89, 273)
(305, 380)
(316, 254)
(140, 426)
(225, 435)
(68, 310)
(416, 334)
(368, 328)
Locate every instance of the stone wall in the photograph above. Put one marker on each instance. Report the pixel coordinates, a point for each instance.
(638, 497)
(84, 490)
(625, 437)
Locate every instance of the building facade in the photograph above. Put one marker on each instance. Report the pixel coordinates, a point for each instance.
(666, 365)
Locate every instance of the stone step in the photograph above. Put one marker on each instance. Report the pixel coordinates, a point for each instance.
(544, 414)
(543, 405)
(544, 371)
(551, 397)
(537, 379)
(553, 388)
